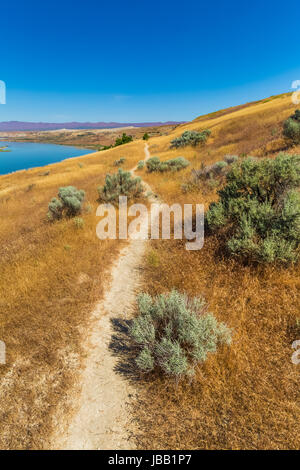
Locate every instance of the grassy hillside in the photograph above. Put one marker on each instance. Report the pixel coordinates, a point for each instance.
(247, 398)
(52, 274)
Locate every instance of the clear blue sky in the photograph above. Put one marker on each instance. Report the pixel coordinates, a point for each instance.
(143, 60)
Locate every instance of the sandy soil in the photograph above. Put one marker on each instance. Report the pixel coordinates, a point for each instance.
(102, 419)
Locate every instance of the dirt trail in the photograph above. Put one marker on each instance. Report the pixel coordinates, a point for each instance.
(102, 420)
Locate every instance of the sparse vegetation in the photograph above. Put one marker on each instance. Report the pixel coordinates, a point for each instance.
(174, 334)
(120, 161)
(291, 128)
(190, 138)
(78, 222)
(120, 184)
(258, 214)
(155, 165)
(229, 159)
(224, 406)
(68, 203)
(216, 170)
(146, 136)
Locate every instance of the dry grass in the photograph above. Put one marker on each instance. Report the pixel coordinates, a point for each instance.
(245, 397)
(51, 275)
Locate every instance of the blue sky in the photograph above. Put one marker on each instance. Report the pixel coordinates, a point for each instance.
(142, 60)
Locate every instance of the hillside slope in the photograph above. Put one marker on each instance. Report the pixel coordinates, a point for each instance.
(247, 398)
(52, 275)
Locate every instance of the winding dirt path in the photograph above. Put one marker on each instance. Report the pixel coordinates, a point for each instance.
(102, 420)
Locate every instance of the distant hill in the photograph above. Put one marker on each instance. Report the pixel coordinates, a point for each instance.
(48, 126)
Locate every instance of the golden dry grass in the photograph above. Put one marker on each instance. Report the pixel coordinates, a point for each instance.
(245, 396)
(51, 275)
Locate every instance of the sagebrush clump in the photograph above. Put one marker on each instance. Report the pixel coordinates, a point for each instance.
(120, 184)
(120, 161)
(68, 203)
(140, 165)
(215, 170)
(291, 128)
(175, 164)
(174, 333)
(190, 138)
(258, 215)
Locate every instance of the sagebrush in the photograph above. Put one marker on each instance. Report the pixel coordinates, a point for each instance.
(258, 215)
(120, 161)
(140, 165)
(68, 203)
(174, 333)
(291, 128)
(190, 138)
(175, 164)
(120, 184)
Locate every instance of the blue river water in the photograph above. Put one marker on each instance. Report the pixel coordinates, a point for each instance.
(25, 155)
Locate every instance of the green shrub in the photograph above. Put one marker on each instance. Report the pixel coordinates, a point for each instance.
(173, 334)
(146, 136)
(190, 138)
(177, 164)
(120, 184)
(123, 140)
(105, 147)
(154, 164)
(68, 203)
(258, 214)
(140, 165)
(291, 128)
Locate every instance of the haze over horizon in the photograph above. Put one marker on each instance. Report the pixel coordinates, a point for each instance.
(61, 63)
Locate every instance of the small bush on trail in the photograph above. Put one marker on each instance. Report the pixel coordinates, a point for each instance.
(146, 136)
(68, 203)
(291, 128)
(140, 165)
(176, 164)
(174, 334)
(120, 184)
(190, 138)
(258, 214)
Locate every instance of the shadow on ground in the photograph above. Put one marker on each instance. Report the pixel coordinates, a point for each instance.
(121, 347)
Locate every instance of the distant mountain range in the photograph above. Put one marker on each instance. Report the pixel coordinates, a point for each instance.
(10, 126)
